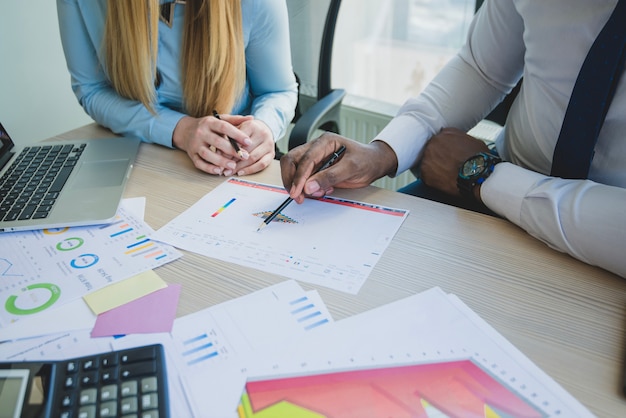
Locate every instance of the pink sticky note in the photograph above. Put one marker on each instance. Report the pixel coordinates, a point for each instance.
(154, 312)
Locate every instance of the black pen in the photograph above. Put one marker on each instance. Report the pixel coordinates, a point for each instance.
(232, 141)
(287, 201)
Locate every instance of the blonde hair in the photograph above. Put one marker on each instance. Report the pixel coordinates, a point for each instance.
(213, 62)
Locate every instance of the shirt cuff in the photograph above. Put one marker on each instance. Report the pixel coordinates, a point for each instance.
(273, 121)
(505, 189)
(408, 148)
(162, 130)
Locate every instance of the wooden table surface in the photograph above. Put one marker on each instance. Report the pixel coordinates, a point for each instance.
(566, 316)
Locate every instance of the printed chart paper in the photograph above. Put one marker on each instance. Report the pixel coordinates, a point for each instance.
(330, 242)
(210, 349)
(46, 268)
(456, 364)
(445, 389)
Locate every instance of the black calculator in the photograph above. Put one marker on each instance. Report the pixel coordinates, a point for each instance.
(124, 383)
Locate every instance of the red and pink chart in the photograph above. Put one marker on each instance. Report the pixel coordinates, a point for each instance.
(446, 389)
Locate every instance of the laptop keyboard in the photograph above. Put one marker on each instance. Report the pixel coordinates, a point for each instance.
(31, 185)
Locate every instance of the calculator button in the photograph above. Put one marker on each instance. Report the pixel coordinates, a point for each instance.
(139, 354)
(67, 400)
(108, 409)
(129, 388)
(149, 401)
(89, 379)
(71, 367)
(90, 364)
(108, 392)
(109, 375)
(129, 406)
(87, 412)
(109, 360)
(70, 382)
(149, 384)
(138, 369)
(150, 414)
(88, 397)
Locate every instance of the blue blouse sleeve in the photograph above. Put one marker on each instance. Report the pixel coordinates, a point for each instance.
(268, 58)
(81, 25)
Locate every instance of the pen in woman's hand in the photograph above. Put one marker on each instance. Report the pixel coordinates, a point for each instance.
(232, 141)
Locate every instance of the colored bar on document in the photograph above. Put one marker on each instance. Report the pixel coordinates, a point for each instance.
(220, 210)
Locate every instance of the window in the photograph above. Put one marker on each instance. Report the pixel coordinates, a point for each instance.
(384, 50)
(389, 50)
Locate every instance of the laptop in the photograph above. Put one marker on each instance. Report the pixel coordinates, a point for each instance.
(80, 183)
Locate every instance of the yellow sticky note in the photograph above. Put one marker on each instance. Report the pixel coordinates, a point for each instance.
(123, 292)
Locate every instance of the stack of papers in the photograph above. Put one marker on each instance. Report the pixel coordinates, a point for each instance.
(277, 352)
(44, 269)
(427, 355)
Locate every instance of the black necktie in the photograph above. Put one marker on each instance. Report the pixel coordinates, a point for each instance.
(591, 98)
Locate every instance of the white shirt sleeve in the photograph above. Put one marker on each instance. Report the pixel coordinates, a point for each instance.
(584, 218)
(466, 89)
(580, 217)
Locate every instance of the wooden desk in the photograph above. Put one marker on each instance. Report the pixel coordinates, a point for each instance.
(567, 317)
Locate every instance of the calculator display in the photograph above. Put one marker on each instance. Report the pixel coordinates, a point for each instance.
(24, 389)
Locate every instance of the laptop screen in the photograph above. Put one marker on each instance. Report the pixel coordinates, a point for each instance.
(6, 143)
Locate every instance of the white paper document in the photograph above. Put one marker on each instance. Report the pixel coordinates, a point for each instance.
(209, 351)
(436, 356)
(330, 241)
(429, 351)
(43, 269)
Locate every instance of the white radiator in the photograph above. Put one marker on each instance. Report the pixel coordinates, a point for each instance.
(363, 124)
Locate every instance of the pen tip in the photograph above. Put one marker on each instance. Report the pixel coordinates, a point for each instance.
(261, 227)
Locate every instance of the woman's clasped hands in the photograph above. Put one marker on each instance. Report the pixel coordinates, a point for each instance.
(206, 141)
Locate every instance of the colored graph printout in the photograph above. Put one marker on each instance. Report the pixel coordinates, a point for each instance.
(211, 348)
(330, 242)
(448, 389)
(45, 268)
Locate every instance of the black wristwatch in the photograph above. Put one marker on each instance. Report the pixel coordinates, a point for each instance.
(474, 171)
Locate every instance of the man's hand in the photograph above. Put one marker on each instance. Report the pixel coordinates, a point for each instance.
(443, 156)
(359, 166)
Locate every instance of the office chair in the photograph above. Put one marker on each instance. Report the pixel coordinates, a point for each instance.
(324, 113)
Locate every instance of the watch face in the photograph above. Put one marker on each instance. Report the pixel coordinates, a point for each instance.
(474, 166)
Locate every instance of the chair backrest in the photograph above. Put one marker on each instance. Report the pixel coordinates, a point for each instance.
(326, 50)
(312, 35)
(312, 32)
